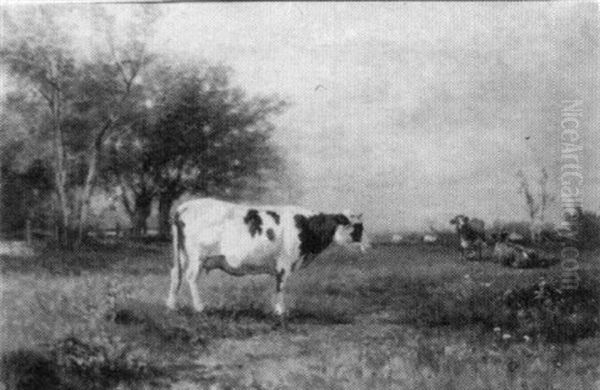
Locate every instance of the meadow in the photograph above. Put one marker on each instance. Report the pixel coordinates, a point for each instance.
(398, 317)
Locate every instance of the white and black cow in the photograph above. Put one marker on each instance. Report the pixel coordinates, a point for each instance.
(240, 240)
(471, 233)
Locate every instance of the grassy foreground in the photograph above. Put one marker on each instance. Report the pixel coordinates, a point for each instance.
(400, 317)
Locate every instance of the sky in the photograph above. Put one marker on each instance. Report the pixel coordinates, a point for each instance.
(409, 112)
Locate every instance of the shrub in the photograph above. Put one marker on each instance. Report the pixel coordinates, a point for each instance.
(29, 370)
(555, 314)
(99, 365)
(589, 229)
(537, 311)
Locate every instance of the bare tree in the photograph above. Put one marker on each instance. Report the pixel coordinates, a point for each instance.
(536, 209)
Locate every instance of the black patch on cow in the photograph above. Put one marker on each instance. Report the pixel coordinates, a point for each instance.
(270, 234)
(279, 279)
(254, 222)
(317, 231)
(467, 232)
(275, 216)
(357, 232)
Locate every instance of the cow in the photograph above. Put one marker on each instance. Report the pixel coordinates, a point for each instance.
(504, 253)
(241, 240)
(511, 254)
(471, 233)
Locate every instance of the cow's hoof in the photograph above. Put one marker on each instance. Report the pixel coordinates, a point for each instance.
(281, 322)
(171, 305)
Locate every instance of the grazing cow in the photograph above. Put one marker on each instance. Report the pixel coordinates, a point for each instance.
(240, 240)
(471, 233)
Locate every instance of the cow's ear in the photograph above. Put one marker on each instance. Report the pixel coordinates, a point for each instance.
(466, 218)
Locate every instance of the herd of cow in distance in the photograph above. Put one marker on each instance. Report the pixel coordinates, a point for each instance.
(241, 240)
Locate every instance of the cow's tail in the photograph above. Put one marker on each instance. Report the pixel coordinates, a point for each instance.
(178, 246)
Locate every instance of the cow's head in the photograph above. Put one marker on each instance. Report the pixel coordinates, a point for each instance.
(317, 232)
(357, 231)
(460, 220)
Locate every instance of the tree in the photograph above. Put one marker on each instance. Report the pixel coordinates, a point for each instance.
(126, 169)
(201, 135)
(40, 57)
(536, 209)
(85, 99)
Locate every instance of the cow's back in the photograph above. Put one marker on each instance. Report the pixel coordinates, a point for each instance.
(219, 228)
(203, 211)
(478, 225)
(202, 220)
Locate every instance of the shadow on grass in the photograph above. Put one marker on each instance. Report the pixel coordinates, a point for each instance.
(184, 327)
(134, 260)
(29, 370)
(71, 364)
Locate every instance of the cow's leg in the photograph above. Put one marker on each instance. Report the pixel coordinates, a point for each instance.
(280, 279)
(179, 262)
(174, 287)
(191, 275)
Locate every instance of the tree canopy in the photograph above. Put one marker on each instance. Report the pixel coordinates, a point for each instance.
(198, 134)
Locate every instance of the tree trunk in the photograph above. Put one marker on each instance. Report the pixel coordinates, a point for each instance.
(165, 203)
(87, 194)
(143, 208)
(90, 179)
(60, 174)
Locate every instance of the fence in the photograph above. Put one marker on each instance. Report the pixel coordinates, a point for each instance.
(30, 233)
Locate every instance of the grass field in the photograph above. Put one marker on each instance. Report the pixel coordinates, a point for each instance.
(400, 317)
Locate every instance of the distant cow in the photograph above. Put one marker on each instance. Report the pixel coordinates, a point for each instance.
(240, 240)
(471, 233)
(504, 253)
(514, 255)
